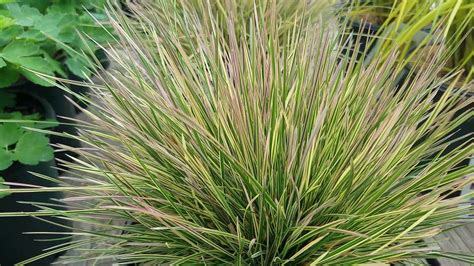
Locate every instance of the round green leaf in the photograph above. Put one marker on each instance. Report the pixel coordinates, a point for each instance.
(62, 8)
(79, 66)
(8, 76)
(36, 79)
(55, 65)
(9, 134)
(37, 63)
(6, 159)
(14, 51)
(24, 15)
(8, 34)
(32, 34)
(32, 148)
(51, 24)
(5, 22)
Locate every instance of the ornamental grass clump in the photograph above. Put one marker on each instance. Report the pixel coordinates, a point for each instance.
(255, 151)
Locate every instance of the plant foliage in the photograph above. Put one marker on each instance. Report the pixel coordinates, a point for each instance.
(43, 36)
(410, 25)
(16, 142)
(218, 148)
(461, 39)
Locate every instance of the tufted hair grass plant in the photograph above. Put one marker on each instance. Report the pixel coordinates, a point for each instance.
(258, 150)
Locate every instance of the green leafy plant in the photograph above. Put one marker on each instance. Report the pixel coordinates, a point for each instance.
(45, 36)
(382, 12)
(16, 142)
(460, 40)
(401, 20)
(29, 147)
(253, 151)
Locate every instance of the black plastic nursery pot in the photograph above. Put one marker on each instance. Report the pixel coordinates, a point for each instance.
(63, 109)
(15, 245)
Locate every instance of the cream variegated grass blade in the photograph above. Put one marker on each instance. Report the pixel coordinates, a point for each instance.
(232, 138)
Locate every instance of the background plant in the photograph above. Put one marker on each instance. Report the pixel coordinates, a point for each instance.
(255, 151)
(18, 143)
(43, 36)
(446, 22)
(387, 11)
(461, 40)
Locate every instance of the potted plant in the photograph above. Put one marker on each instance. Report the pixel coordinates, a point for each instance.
(44, 37)
(391, 24)
(449, 24)
(461, 40)
(23, 152)
(252, 151)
